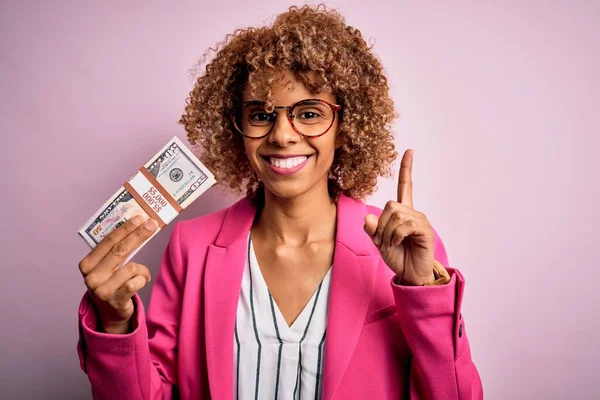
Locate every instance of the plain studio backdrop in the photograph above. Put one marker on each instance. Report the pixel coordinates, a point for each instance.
(500, 102)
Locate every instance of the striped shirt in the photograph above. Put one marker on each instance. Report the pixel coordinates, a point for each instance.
(271, 359)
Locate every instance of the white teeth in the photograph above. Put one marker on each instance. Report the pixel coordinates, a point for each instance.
(285, 163)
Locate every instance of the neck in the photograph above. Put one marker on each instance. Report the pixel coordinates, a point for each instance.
(309, 217)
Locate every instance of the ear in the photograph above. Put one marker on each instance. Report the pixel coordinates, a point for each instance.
(340, 140)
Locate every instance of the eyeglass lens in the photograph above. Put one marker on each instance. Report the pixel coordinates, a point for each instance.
(309, 117)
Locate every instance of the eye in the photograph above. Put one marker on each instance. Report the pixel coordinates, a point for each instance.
(260, 117)
(308, 115)
(311, 111)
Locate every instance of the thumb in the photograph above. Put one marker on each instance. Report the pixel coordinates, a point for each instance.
(371, 222)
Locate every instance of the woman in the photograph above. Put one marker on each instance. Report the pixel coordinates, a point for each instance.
(299, 290)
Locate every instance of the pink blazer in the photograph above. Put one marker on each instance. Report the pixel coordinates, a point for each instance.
(384, 341)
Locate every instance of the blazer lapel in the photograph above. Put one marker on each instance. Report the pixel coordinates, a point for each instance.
(353, 276)
(224, 269)
(355, 262)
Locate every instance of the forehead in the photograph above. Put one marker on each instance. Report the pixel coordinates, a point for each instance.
(286, 89)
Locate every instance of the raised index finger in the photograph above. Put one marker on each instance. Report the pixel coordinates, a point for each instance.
(405, 179)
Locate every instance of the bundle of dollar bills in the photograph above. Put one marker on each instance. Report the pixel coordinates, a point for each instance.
(167, 184)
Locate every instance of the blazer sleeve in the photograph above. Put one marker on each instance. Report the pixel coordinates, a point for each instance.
(432, 322)
(141, 364)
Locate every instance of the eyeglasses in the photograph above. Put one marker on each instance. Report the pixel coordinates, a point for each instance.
(310, 118)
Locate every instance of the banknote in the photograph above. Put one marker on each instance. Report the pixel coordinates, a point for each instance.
(178, 172)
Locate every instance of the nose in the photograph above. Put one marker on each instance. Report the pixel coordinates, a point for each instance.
(283, 133)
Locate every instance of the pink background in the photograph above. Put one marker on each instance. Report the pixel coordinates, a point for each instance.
(499, 101)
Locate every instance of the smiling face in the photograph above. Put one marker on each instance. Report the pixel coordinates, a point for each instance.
(288, 163)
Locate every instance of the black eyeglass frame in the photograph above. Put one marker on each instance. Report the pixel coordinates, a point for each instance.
(334, 107)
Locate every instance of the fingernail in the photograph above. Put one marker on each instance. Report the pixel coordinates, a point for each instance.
(376, 240)
(137, 219)
(151, 224)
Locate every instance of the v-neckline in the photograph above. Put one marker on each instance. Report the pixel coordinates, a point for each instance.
(294, 332)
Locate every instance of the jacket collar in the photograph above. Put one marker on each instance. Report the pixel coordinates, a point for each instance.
(350, 219)
(355, 262)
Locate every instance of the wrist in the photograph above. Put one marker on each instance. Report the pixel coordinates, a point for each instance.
(415, 281)
(119, 328)
(439, 276)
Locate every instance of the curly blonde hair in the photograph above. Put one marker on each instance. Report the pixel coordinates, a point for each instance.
(311, 42)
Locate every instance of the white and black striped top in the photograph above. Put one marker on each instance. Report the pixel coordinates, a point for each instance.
(271, 359)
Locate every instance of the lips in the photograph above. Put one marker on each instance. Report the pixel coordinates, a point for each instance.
(286, 165)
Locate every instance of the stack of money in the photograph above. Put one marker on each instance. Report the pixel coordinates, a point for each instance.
(167, 184)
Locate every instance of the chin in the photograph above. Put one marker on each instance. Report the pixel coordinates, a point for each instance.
(292, 189)
(287, 190)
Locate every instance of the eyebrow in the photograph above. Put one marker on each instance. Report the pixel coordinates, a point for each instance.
(309, 100)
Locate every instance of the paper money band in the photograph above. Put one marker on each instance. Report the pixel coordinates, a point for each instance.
(152, 197)
(161, 189)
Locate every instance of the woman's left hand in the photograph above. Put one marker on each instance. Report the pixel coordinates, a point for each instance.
(403, 235)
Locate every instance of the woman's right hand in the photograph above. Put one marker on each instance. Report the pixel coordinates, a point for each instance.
(111, 289)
